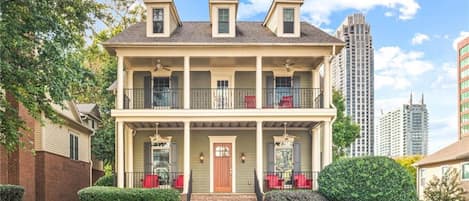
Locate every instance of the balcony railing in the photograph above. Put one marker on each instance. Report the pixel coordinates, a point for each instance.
(299, 180)
(222, 98)
(160, 180)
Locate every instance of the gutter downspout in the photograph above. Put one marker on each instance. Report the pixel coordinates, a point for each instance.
(91, 161)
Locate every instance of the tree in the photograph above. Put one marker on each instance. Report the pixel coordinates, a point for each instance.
(344, 130)
(448, 188)
(407, 162)
(40, 62)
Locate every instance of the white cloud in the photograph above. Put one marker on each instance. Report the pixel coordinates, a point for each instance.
(442, 132)
(389, 14)
(319, 11)
(447, 76)
(419, 38)
(462, 35)
(398, 83)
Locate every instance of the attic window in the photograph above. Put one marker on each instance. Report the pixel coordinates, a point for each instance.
(158, 20)
(288, 20)
(223, 20)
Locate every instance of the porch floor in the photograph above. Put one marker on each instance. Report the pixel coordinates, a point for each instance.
(221, 196)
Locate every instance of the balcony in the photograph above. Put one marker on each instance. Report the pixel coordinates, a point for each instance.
(223, 98)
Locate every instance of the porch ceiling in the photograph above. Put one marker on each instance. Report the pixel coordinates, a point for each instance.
(222, 125)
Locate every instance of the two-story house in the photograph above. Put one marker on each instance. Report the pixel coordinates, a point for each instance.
(205, 106)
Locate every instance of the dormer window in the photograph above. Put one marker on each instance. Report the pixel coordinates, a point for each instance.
(223, 20)
(158, 20)
(288, 20)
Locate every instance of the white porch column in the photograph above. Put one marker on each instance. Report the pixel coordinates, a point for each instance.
(316, 154)
(187, 82)
(120, 154)
(187, 147)
(259, 158)
(327, 141)
(130, 88)
(259, 82)
(130, 153)
(120, 82)
(327, 83)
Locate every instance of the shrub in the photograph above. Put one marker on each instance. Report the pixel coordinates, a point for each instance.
(448, 188)
(11, 193)
(293, 195)
(102, 193)
(106, 180)
(366, 179)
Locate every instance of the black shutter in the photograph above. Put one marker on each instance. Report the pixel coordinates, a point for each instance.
(296, 157)
(174, 158)
(147, 157)
(76, 147)
(298, 95)
(269, 96)
(147, 92)
(270, 157)
(71, 146)
(174, 89)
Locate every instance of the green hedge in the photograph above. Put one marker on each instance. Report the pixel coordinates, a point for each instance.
(293, 195)
(102, 193)
(11, 192)
(366, 179)
(106, 180)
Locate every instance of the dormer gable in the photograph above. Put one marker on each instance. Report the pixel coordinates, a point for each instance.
(223, 17)
(162, 18)
(283, 18)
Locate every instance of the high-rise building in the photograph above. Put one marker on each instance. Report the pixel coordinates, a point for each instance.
(353, 75)
(463, 87)
(404, 131)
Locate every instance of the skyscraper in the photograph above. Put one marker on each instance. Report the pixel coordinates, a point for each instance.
(463, 87)
(404, 131)
(353, 75)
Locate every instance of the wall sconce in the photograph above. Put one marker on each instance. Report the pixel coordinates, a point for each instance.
(201, 157)
(243, 157)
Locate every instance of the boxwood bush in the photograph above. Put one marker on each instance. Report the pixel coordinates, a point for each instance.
(106, 180)
(293, 195)
(104, 193)
(11, 193)
(366, 179)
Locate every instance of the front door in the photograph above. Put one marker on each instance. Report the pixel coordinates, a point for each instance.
(222, 167)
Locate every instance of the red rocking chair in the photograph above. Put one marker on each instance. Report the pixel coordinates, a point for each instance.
(301, 182)
(178, 183)
(151, 181)
(273, 182)
(286, 102)
(250, 101)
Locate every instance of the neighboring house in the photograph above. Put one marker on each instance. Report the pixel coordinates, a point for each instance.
(55, 162)
(220, 100)
(91, 117)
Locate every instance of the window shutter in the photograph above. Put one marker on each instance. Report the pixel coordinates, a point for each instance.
(270, 157)
(269, 96)
(147, 92)
(147, 157)
(297, 91)
(71, 146)
(296, 157)
(174, 158)
(76, 147)
(174, 89)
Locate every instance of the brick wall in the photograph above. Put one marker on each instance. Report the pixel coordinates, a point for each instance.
(59, 178)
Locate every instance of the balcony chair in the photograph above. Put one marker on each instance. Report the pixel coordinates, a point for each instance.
(301, 182)
(249, 101)
(273, 182)
(286, 102)
(151, 181)
(178, 183)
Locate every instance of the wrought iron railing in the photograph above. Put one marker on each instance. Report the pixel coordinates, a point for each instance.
(257, 187)
(291, 180)
(160, 180)
(222, 98)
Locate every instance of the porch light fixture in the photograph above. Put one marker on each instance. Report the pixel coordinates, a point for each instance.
(285, 139)
(201, 157)
(243, 157)
(157, 140)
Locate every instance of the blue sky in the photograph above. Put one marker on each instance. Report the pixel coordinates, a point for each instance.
(413, 41)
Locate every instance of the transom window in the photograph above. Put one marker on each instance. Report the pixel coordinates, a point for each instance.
(223, 20)
(288, 20)
(73, 147)
(158, 20)
(222, 151)
(283, 82)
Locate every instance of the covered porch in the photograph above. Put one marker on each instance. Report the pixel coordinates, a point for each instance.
(223, 156)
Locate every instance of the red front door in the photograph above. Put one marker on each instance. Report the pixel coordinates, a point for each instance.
(222, 167)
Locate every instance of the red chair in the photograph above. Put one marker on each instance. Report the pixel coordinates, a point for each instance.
(286, 102)
(273, 182)
(178, 183)
(250, 101)
(151, 181)
(301, 182)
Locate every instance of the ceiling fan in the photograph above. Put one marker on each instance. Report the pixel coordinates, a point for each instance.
(288, 65)
(159, 66)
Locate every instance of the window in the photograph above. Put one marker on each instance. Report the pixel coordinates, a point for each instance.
(288, 20)
(465, 171)
(222, 95)
(92, 124)
(158, 20)
(160, 158)
(444, 170)
(73, 147)
(223, 20)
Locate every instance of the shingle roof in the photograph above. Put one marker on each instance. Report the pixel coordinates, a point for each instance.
(456, 151)
(200, 32)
